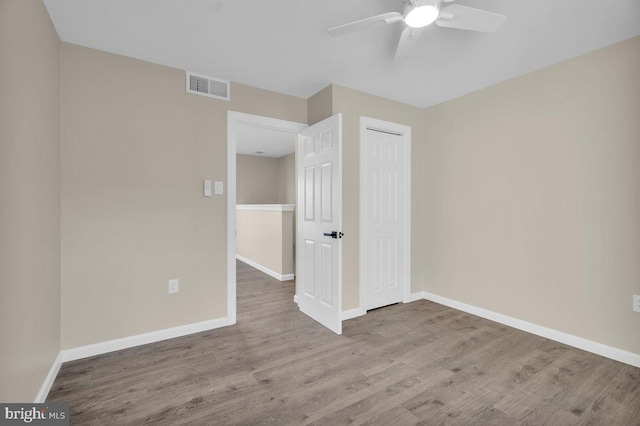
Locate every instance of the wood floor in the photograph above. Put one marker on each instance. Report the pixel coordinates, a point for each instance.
(417, 363)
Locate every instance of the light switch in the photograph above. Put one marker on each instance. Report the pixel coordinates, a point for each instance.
(173, 286)
(219, 188)
(207, 188)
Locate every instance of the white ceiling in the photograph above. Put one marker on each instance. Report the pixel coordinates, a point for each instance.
(273, 143)
(283, 45)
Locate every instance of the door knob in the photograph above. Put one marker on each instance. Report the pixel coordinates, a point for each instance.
(334, 234)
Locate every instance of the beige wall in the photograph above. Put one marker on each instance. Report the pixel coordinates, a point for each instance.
(353, 104)
(135, 151)
(287, 179)
(266, 237)
(29, 198)
(533, 197)
(257, 179)
(320, 105)
(265, 180)
(288, 244)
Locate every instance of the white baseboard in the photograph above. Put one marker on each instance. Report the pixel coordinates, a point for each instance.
(352, 313)
(141, 339)
(414, 297)
(357, 312)
(274, 274)
(48, 381)
(549, 333)
(295, 299)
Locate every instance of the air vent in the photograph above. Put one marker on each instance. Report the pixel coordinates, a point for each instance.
(207, 86)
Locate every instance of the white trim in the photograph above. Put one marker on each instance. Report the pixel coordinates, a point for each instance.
(48, 381)
(414, 297)
(549, 333)
(274, 274)
(267, 207)
(295, 299)
(405, 132)
(141, 339)
(352, 313)
(234, 119)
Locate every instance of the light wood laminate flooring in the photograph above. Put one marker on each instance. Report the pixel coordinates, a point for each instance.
(406, 364)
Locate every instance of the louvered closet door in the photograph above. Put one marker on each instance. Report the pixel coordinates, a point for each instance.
(319, 214)
(385, 212)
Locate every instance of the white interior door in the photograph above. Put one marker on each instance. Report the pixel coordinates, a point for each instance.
(385, 223)
(318, 261)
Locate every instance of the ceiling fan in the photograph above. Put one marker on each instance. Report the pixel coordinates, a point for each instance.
(418, 14)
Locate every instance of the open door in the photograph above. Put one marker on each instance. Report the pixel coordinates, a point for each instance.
(319, 222)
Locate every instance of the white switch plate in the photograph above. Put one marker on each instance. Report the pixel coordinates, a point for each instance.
(219, 188)
(636, 303)
(173, 286)
(207, 188)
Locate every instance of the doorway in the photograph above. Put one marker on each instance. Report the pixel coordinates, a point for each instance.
(245, 128)
(385, 213)
(318, 165)
(265, 200)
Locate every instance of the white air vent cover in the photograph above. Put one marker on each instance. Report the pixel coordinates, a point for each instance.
(207, 86)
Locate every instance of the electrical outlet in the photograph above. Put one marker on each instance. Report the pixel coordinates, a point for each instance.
(173, 286)
(636, 303)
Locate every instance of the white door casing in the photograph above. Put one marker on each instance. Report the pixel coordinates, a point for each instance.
(319, 213)
(385, 213)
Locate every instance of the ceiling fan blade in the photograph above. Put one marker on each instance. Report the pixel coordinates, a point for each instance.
(408, 40)
(365, 24)
(468, 18)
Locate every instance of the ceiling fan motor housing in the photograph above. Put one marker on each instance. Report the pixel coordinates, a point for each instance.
(424, 13)
(409, 7)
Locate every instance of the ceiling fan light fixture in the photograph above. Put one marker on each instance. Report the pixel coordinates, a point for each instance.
(421, 16)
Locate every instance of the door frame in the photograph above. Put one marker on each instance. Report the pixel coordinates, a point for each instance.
(367, 123)
(233, 120)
